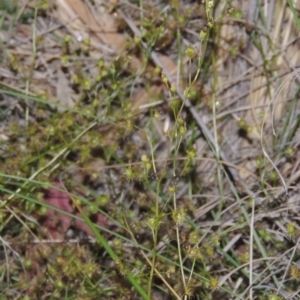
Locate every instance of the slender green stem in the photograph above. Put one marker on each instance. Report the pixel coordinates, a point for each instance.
(294, 12)
(179, 246)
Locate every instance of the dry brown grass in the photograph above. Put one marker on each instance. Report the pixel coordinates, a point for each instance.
(92, 93)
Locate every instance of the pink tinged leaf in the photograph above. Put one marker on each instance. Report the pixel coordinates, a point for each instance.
(58, 223)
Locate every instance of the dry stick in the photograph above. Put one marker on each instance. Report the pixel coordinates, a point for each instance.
(215, 147)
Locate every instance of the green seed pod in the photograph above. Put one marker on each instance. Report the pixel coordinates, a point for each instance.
(190, 52)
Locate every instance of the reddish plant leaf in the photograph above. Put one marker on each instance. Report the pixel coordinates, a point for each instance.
(58, 223)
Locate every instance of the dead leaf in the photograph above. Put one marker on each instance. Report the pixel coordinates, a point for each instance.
(103, 27)
(64, 92)
(171, 67)
(168, 64)
(142, 96)
(83, 12)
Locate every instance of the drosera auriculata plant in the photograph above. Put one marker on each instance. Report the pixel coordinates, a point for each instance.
(152, 152)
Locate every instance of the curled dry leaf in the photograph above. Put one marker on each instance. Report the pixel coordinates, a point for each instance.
(58, 223)
(83, 24)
